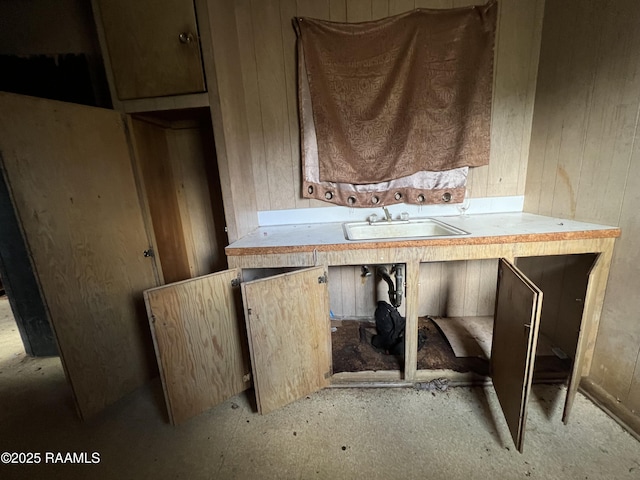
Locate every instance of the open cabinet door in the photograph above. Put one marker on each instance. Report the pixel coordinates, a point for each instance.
(513, 350)
(289, 336)
(594, 299)
(69, 172)
(199, 341)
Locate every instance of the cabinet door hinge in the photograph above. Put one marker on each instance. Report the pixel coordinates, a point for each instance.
(235, 282)
(249, 311)
(323, 278)
(148, 253)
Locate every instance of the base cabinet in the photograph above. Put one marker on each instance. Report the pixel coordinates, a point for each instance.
(201, 341)
(198, 325)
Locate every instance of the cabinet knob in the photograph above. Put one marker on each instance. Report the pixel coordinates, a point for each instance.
(186, 37)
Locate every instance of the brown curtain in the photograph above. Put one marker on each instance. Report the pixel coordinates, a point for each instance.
(404, 99)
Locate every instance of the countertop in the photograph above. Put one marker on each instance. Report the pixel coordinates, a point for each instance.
(490, 228)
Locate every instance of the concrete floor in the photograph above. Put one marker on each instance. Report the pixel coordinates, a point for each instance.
(333, 434)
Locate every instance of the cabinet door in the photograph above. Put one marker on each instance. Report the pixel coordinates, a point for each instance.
(513, 351)
(68, 168)
(200, 343)
(289, 336)
(153, 47)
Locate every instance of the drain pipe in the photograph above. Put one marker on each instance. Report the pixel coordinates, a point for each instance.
(395, 291)
(399, 271)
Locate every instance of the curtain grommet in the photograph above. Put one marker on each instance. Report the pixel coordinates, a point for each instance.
(398, 196)
(351, 200)
(375, 200)
(420, 198)
(328, 195)
(446, 197)
(310, 189)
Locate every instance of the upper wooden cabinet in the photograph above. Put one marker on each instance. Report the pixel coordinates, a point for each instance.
(151, 48)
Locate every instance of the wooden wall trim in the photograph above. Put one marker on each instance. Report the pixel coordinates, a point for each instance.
(625, 417)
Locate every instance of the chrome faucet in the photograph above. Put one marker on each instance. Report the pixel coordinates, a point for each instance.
(387, 214)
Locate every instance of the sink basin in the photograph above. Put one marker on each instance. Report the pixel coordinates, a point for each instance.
(414, 228)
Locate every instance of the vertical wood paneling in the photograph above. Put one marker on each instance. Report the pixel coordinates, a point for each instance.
(584, 161)
(456, 282)
(350, 294)
(512, 110)
(288, 10)
(229, 116)
(472, 287)
(612, 121)
(358, 10)
(464, 288)
(400, 6)
(379, 9)
(335, 296)
(430, 288)
(267, 28)
(267, 58)
(434, 3)
(335, 10)
(487, 294)
(252, 100)
(338, 10)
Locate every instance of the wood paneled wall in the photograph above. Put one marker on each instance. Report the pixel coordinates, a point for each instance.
(268, 78)
(584, 161)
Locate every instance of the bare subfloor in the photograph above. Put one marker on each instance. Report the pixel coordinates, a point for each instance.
(333, 434)
(352, 352)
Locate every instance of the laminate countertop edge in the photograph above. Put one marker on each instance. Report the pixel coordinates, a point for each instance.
(299, 239)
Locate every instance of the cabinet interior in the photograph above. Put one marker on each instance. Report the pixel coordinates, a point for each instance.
(456, 313)
(175, 153)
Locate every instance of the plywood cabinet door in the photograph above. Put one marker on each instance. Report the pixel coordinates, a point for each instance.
(289, 336)
(200, 342)
(69, 171)
(153, 47)
(515, 335)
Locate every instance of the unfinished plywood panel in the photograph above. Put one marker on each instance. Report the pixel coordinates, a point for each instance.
(155, 165)
(192, 157)
(200, 342)
(176, 158)
(153, 47)
(278, 309)
(69, 171)
(515, 334)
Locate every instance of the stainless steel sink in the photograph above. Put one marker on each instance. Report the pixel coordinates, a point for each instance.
(395, 229)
